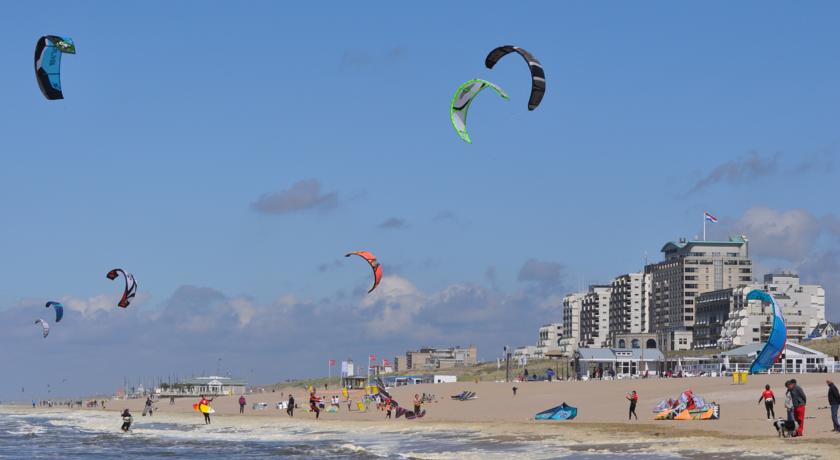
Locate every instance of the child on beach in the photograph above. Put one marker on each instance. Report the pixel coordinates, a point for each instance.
(769, 401)
(388, 409)
(633, 398)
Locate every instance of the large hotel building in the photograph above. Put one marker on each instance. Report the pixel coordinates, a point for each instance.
(691, 268)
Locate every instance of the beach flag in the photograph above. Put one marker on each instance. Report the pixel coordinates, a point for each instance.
(331, 362)
(709, 217)
(385, 362)
(372, 358)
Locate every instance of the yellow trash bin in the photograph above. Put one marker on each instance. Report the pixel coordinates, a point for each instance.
(735, 378)
(743, 378)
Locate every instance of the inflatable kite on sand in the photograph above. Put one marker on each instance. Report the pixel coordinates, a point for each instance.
(687, 407)
(561, 412)
(464, 396)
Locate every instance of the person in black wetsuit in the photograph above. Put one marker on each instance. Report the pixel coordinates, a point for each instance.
(633, 398)
(127, 419)
(290, 408)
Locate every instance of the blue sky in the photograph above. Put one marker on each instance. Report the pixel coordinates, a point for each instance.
(180, 116)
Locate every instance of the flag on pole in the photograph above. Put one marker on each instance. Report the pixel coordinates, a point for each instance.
(386, 362)
(372, 358)
(709, 217)
(331, 362)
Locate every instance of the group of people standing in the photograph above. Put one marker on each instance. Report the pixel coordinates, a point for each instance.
(795, 402)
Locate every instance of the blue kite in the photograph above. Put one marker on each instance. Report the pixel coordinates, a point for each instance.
(59, 309)
(48, 51)
(775, 345)
(561, 412)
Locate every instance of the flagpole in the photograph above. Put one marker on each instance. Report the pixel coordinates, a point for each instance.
(704, 226)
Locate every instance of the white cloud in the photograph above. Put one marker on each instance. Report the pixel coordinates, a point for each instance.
(789, 235)
(244, 309)
(91, 305)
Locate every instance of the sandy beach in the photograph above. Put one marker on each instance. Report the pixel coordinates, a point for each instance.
(602, 416)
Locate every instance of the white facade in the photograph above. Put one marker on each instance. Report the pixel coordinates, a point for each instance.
(527, 352)
(572, 305)
(626, 313)
(550, 337)
(802, 305)
(595, 317)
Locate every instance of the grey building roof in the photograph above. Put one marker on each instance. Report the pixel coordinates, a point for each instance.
(206, 380)
(752, 349)
(676, 245)
(612, 354)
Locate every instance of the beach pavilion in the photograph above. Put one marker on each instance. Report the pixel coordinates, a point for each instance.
(213, 385)
(796, 359)
(626, 362)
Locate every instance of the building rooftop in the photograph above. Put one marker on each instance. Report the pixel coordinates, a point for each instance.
(677, 245)
(614, 354)
(752, 349)
(213, 378)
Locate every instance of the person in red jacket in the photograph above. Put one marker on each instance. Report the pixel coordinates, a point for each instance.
(633, 398)
(242, 403)
(769, 401)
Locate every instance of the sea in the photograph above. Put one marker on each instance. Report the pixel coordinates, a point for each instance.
(63, 434)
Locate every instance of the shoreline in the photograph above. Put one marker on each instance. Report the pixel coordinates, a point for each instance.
(496, 415)
(582, 437)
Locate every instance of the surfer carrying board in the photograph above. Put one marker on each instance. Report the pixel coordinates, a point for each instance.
(203, 406)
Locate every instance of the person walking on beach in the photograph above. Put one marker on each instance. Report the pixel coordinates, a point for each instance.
(834, 403)
(148, 408)
(769, 401)
(417, 403)
(514, 390)
(172, 400)
(313, 404)
(798, 399)
(204, 408)
(388, 408)
(290, 407)
(633, 398)
(127, 419)
(242, 403)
